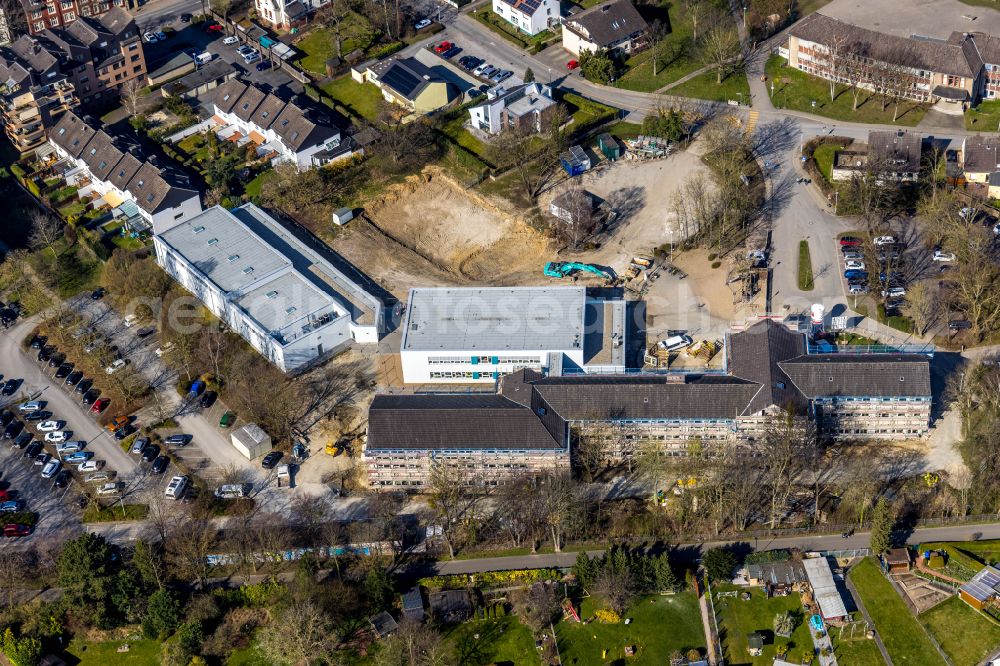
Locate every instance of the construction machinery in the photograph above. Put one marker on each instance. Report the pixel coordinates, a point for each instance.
(561, 269)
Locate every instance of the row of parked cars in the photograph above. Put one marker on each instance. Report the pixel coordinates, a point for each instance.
(12, 527)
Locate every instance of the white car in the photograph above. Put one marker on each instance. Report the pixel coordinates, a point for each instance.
(130, 320)
(164, 349)
(231, 39)
(894, 292)
(51, 469)
(857, 289)
(32, 406)
(50, 426)
(90, 466)
(70, 447)
(884, 240)
(99, 477)
(940, 255)
(478, 71)
(150, 38)
(854, 264)
(107, 489)
(421, 24)
(56, 436)
(251, 58)
(853, 255)
(118, 364)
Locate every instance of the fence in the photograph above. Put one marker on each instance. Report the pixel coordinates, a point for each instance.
(189, 131)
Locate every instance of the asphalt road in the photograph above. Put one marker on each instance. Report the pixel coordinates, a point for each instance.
(820, 542)
(160, 13)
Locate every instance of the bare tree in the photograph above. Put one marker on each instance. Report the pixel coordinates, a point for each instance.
(300, 634)
(537, 606)
(721, 48)
(188, 550)
(782, 450)
(130, 96)
(333, 14)
(555, 495)
(923, 306)
(451, 500)
(45, 231)
(532, 158)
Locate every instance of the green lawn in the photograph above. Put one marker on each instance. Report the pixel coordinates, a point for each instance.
(247, 656)
(902, 635)
(797, 90)
(805, 267)
(487, 17)
(454, 128)
(679, 61)
(501, 640)
(703, 86)
(624, 130)
(823, 156)
(965, 634)
(984, 118)
(660, 625)
(855, 650)
(141, 653)
(361, 99)
(737, 618)
(320, 45)
(114, 512)
(959, 563)
(252, 188)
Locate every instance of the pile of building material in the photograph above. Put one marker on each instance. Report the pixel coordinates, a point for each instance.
(647, 147)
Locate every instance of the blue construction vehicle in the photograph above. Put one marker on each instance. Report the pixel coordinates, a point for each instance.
(561, 269)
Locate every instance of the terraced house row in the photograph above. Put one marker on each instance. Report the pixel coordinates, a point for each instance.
(530, 423)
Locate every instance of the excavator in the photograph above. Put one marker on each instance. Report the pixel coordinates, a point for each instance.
(561, 269)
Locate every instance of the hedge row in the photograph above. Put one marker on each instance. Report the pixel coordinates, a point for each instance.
(490, 579)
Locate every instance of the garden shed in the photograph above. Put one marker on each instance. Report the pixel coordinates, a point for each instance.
(251, 441)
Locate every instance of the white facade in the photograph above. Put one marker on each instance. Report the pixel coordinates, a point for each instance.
(531, 97)
(293, 307)
(251, 441)
(285, 14)
(301, 157)
(530, 16)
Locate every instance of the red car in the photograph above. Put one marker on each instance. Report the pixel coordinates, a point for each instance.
(4, 496)
(850, 240)
(213, 27)
(100, 405)
(442, 47)
(16, 530)
(572, 64)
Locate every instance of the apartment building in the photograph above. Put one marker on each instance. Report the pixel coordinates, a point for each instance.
(281, 130)
(769, 372)
(527, 107)
(270, 284)
(931, 70)
(41, 15)
(114, 172)
(614, 26)
(34, 94)
(891, 156)
(530, 16)
(478, 334)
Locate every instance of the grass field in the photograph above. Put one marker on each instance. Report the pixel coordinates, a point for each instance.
(320, 45)
(114, 512)
(140, 653)
(805, 267)
(683, 61)
(984, 118)
(965, 635)
(659, 626)
(703, 86)
(361, 99)
(501, 27)
(855, 650)
(737, 618)
(823, 156)
(903, 636)
(504, 640)
(797, 91)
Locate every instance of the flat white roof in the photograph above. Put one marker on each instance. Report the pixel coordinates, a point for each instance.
(495, 319)
(831, 604)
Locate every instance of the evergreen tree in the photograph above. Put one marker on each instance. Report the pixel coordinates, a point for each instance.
(529, 75)
(881, 529)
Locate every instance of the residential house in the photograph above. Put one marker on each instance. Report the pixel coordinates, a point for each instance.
(272, 284)
(529, 16)
(409, 83)
(575, 207)
(43, 15)
(34, 94)
(613, 25)
(283, 130)
(893, 155)
(113, 171)
(287, 14)
(527, 425)
(946, 71)
(983, 589)
(980, 157)
(527, 107)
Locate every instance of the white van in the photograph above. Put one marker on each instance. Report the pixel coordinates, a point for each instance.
(175, 489)
(204, 58)
(230, 491)
(675, 343)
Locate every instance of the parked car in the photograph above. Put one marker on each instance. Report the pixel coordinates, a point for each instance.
(38, 341)
(469, 62)
(851, 253)
(854, 264)
(145, 332)
(83, 386)
(56, 360)
(230, 491)
(857, 289)
(443, 46)
(244, 50)
(252, 58)
(62, 479)
(850, 240)
(90, 466)
(98, 294)
(161, 36)
(186, 18)
(855, 275)
(138, 445)
(160, 465)
(894, 291)
(124, 431)
(489, 71)
(13, 430)
(149, 455)
(959, 324)
(10, 386)
(70, 447)
(116, 365)
(451, 53)
(107, 489)
(41, 458)
(177, 440)
(32, 450)
(150, 38)
(50, 426)
(176, 486)
(483, 66)
(63, 371)
(99, 404)
(572, 64)
(884, 240)
(16, 530)
(231, 39)
(213, 27)
(208, 399)
(270, 461)
(227, 420)
(73, 378)
(40, 415)
(421, 24)
(51, 469)
(6, 416)
(57, 436)
(940, 255)
(11, 506)
(78, 457)
(22, 440)
(99, 477)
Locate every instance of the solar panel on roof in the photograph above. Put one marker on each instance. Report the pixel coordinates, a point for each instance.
(400, 80)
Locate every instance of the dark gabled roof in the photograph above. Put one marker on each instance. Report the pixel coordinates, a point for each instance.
(297, 130)
(607, 23)
(754, 355)
(454, 421)
(148, 187)
(408, 77)
(987, 45)
(868, 375)
(118, 21)
(31, 53)
(124, 170)
(596, 397)
(268, 111)
(228, 94)
(72, 134)
(248, 103)
(894, 150)
(981, 154)
(101, 150)
(528, 7)
(941, 56)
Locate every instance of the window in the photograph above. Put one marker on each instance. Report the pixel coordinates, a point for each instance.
(233, 257)
(102, 165)
(272, 294)
(69, 16)
(213, 241)
(290, 310)
(248, 270)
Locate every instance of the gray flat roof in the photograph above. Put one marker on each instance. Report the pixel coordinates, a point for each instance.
(278, 303)
(495, 319)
